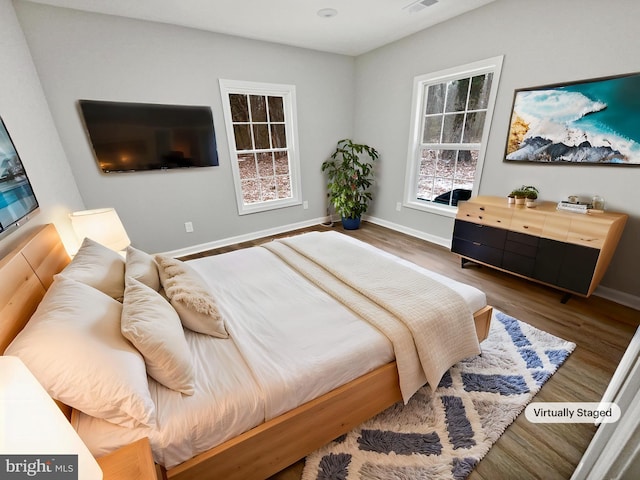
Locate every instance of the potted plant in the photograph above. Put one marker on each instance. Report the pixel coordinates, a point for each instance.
(524, 193)
(349, 178)
(519, 194)
(532, 195)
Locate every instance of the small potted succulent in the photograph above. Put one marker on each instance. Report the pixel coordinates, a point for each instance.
(519, 195)
(532, 196)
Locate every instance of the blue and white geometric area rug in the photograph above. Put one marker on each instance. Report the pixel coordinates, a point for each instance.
(444, 434)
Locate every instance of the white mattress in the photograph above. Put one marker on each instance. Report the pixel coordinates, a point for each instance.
(298, 341)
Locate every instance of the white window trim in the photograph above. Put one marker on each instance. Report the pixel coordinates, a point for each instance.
(288, 92)
(494, 65)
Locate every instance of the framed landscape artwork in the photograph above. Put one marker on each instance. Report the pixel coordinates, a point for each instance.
(592, 122)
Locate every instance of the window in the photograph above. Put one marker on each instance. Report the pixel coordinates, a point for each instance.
(451, 116)
(262, 134)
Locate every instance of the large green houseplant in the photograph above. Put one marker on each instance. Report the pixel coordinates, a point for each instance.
(350, 175)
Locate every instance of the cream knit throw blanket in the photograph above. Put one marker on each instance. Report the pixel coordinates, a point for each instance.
(430, 325)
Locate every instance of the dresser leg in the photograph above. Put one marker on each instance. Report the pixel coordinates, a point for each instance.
(465, 261)
(565, 298)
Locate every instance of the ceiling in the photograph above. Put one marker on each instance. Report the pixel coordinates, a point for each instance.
(358, 27)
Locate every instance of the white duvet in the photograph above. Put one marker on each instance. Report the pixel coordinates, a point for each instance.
(290, 342)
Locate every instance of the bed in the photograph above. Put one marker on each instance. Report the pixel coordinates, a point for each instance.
(280, 433)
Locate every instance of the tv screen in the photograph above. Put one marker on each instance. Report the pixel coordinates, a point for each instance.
(129, 137)
(17, 200)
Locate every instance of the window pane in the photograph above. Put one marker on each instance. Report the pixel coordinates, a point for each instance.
(446, 163)
(276, 110)
(426, 173)
(247, 166)
(435, 98)
(239, 108)
(284, 186)
(425, 188)
(452, 129)
(278, 136)
(250, 191)
(242, 134)
(261, 136)
(258, 108)
(428, 162)
(442, 185)
(473, 127)
(466, 167)
(268, 188)
(282, 163)
(432, 129)
(480, 90)
(265, 164)
(457, 95)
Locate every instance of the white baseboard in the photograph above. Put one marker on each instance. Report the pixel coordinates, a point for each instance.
(203, 247)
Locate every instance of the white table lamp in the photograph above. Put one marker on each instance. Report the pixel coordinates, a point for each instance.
(31, 424)
(102, 225)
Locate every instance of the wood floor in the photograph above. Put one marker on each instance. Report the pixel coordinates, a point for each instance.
(600, 328)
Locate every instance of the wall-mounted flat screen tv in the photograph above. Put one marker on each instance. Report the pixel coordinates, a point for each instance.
(17, 200)
(129, 137)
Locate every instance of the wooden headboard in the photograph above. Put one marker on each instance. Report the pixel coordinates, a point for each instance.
(25, 275)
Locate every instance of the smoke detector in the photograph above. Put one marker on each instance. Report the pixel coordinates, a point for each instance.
(414, 7)
(328, 12)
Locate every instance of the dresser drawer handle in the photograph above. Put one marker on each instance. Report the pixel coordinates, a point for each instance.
(478, 244)
(480, 217)
(525, 226)
(482, 208)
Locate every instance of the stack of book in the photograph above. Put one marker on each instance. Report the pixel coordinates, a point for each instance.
(574, 207)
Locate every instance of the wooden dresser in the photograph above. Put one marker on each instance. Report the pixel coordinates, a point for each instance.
(566, 250)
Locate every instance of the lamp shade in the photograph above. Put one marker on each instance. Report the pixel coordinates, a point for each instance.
(32, 425)
(102, 225)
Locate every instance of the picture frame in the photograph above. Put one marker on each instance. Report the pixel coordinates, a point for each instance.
(18, 202)
(588, 122)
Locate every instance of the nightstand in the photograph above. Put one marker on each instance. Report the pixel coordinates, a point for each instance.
(131, 462)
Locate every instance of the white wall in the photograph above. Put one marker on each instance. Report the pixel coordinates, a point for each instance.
(89, 56)
(543, 42)
(24, 110)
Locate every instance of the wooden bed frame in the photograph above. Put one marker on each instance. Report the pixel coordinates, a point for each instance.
(27, 272)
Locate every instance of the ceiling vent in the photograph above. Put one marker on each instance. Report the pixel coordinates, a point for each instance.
(414, 7)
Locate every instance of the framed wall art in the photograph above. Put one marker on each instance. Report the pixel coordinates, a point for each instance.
(17, 200)
(591, 122)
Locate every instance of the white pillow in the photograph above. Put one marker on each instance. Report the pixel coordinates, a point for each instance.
(98, 267)
(74, 347)
(189, 295)
(141, 266)
(154, 328)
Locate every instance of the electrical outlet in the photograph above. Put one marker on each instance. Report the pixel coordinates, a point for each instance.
(188, 227)
(305, 204)
(399, 206)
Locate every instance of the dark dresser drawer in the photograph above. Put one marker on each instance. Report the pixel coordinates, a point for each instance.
(474, 232)
(477, 251)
